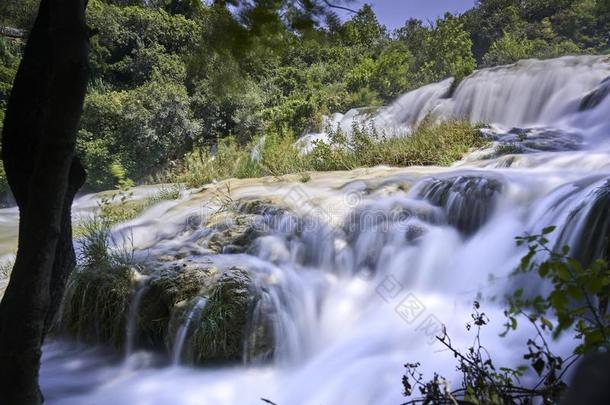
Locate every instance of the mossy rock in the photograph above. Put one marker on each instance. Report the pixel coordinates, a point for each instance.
(222, 331)
(162, 299)
(235, 231)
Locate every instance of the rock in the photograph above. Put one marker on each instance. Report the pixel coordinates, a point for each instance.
(468, 201)
(592, 221)
(591, 382)
(218, 311)
(235, 231)
(595, 97)
(223, 327)
(161, 302)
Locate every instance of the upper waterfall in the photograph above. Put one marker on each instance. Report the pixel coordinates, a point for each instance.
(529, 92)
(524, 94)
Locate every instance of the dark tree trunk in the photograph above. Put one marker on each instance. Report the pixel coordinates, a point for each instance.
(38, 144)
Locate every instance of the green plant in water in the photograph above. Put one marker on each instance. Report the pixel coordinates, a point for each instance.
(577, 304)
(100, 288)
(578, 301)
(220, 335)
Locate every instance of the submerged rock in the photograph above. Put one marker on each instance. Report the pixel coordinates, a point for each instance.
(533, 140)
(234, 231)
(468, 201)
(595, 97)
(587, 229)
(164, 300)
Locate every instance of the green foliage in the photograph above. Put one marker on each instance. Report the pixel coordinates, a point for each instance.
(448, 51)
(508, 49)
(483, 382)
(138, 129)
(576, 304)
(578, 301)
(3, 183)
(18, 13)
(429, 144)
(132, 43)
(512, 47)
(230, 160)
(363, 30)
(172, 76)
(99, 290)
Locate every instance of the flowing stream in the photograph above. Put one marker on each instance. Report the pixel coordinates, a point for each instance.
(359, 270)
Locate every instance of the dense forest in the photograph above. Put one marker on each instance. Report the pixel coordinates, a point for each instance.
(172, 76)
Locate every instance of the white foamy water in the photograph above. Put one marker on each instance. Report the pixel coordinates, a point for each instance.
(380, 242)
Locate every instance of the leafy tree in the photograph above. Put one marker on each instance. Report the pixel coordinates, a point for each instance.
(140, 129)
(18, 13)
(364, 30)
(489, 20)
(448, 50)
(508, 49)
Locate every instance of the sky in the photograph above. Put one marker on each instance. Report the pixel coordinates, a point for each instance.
(394, 13)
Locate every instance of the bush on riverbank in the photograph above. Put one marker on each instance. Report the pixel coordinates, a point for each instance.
(276, 155)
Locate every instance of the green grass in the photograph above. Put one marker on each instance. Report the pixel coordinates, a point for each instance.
(429, 144)
(120, 207)
(99, 290)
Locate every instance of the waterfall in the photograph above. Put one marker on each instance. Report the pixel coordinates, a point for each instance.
(131, 330)
(184, 327)
(350, 275)
(530, 92)
(524, 94)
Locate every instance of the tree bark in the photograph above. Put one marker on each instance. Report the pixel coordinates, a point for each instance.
(38, 143)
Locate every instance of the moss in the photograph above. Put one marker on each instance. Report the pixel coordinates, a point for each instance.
(163, 299)
(507, 149)
(222, 331)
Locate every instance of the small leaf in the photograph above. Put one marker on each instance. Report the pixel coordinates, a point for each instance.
(546, 323)
(548, 229)
(538, 365)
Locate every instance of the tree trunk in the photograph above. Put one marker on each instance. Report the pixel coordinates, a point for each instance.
(38, 144)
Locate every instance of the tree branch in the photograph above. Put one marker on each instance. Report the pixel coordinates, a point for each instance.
(328, 4)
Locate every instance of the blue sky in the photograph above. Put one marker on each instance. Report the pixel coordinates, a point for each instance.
(394, 13)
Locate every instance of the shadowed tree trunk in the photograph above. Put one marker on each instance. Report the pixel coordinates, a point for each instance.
(38, 142)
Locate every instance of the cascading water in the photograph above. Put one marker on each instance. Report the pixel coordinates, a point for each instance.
(184, 328)
(350, 275)
(529, 93)
(132, 319)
